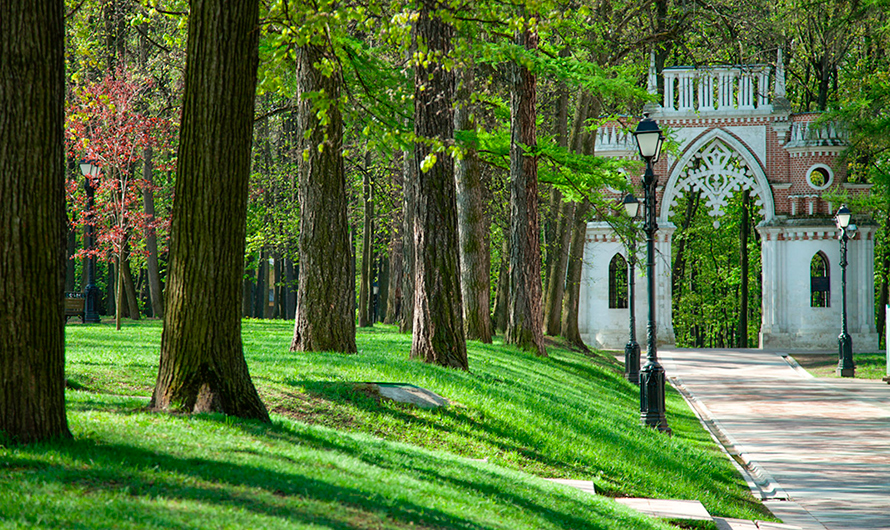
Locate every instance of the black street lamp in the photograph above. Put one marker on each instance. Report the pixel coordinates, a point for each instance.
(632, 348)
(90, 171)
(649, 141)
(845, 366)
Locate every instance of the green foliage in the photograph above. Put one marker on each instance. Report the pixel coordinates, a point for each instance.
(707, 297)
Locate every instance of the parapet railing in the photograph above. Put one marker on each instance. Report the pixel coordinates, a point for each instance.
(716, 89)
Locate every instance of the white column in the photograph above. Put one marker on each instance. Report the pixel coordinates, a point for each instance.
(664, 322)
(668, 91)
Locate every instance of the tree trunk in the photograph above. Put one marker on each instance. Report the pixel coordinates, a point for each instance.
(202, 366)
(473, 226)
(678, 271)
(290, 306)
(438, 315)
(394, 300)
(366, 284)
(33, 222)
(325, 318)
(556, 281)
(560, 246)
(743, 264)
(132, 298)
(409, 177)
(71, 249)
(278, 286)
(261, 289)
(526, 318)
(151, 239)
(499, 315)
(271, 279)
(246, 290)
(383, 293)
(570, 329)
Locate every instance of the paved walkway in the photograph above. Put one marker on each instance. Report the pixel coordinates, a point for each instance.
(819, 449)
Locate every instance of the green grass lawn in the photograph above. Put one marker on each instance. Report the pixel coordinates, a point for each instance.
(336, 457)
(868, 365)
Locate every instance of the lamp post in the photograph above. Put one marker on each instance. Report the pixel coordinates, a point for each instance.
(632, 348)
(90, 171)
(845, 366)
(649, 141)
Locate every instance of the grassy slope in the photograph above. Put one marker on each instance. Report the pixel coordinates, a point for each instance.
(569, 415)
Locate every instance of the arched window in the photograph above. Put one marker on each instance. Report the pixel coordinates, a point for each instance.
(618, 282)
(820, 281)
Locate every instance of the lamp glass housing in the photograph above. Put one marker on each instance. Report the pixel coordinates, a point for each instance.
(631, 205)
(843, 217)
(649, 138)
(88, 168)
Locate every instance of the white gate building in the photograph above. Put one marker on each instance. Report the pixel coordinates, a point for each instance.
(735, 124)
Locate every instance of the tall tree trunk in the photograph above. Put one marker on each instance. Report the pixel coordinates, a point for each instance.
(383, 293)
(290, 275)
(409, 178)
(247, 289)
(743, 264)
(366, 284)
(557, 280)
(394, 299)
(132, 297)
(559, 218)
(570, 329)
(438, 336)
(71, 249)
(32, 221)
(151, 239)
(326, 295)
(261, 290)
(678, 271)
(271, 279)
(202, 366)
(502, 299)
(475, 257)
(274, 286)
(525, 325)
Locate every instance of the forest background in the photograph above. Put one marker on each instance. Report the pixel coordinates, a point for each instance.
(124, 71)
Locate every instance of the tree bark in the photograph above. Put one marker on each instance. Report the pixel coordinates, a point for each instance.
(570, 329)
(561, 243)
(151, 239)
(394, 299)
(438, 336)
(473, 226)
(33, 222)
(499, 315)
(261, 287)
(132, 297)
(409, 178)
(326, 295)
(366, 284)
(202, 365)
(526, 318)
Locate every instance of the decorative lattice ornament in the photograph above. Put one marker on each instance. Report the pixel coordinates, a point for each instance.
(718, 170)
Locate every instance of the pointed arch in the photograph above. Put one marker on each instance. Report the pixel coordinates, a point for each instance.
(726, 164)
(618, 282)
(820, 281)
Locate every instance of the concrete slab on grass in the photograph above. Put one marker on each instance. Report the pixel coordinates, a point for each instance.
(406, 393)
(668, 509)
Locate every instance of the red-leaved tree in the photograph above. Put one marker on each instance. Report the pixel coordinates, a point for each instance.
(107, 123)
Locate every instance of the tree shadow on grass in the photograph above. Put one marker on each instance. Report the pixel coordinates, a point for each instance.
(311, 492)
